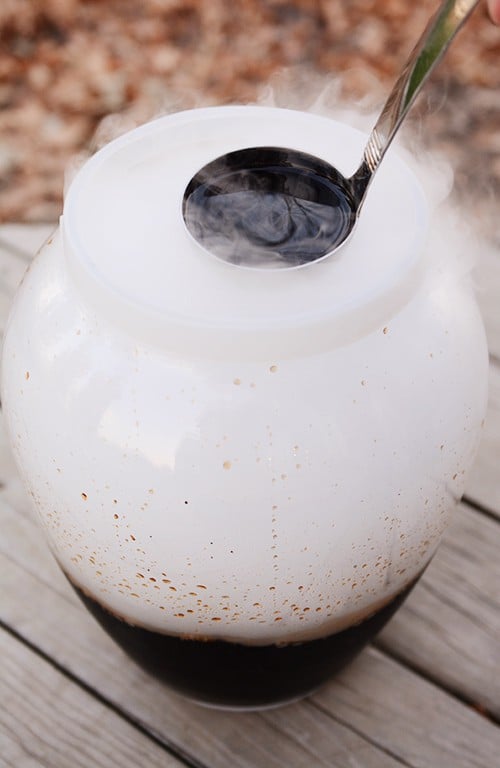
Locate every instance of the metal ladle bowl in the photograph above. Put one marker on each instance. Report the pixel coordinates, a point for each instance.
(271, 206)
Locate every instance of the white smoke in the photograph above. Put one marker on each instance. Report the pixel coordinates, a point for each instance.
(304, 89)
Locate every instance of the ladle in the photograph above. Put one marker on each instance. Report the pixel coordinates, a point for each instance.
(277, 207)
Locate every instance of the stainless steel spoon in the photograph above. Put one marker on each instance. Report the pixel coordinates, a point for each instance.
(281, 207)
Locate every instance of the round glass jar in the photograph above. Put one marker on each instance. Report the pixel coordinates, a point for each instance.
(241, 471)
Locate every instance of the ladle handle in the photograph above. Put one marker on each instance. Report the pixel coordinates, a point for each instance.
(433, 43)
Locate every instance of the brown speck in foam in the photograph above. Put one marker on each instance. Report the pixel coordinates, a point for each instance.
(385, 331)
(132, 537)
(273, 368)
(27, 375)
(201, 586)
(227, 465)
(237, 382)
(84, 496)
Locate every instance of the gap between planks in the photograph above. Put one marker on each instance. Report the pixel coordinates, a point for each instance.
(46, 720)
(181, 759)
(425, 674)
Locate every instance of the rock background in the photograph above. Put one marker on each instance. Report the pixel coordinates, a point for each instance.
(67, 64)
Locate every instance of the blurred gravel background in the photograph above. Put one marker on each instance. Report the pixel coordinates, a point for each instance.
(67, 64)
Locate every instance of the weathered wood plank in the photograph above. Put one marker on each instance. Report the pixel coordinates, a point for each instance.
(43, 609)
(25, 239)
(450, 627)
(434, 734)
(47, 720)
(313, 728)
(483, 485)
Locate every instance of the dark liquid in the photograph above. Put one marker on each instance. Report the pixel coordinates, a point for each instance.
(267, 206)
(235, 675)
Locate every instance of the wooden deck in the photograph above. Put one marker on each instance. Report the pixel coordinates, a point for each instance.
(426, 695)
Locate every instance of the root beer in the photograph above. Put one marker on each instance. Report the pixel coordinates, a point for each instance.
(236, 675)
